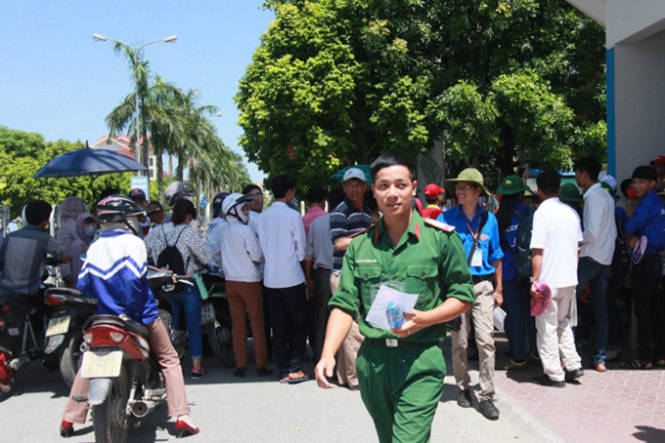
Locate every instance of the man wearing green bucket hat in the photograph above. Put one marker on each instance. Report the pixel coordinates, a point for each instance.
(478, 230)
(515, 223)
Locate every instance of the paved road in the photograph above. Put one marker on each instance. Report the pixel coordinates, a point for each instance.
(255, 409)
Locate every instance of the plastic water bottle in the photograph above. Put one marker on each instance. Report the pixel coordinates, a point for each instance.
(394, 315)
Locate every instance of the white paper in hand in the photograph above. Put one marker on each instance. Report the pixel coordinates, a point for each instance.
(377, 312)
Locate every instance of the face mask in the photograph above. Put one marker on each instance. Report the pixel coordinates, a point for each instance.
(89, 231)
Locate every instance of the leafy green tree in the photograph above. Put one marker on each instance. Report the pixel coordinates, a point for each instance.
(22, 154)
(336, 82)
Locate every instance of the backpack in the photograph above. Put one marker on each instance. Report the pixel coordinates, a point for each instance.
(522, 256)
(621, 258)
(171, 258)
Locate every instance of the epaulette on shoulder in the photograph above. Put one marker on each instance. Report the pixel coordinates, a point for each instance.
(363, 231)
(438, 225)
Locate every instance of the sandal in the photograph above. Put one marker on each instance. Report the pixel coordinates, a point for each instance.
(297, 377)
(637, 364)
(198, 372)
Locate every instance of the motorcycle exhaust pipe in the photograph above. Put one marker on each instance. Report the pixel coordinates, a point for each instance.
(141, 408)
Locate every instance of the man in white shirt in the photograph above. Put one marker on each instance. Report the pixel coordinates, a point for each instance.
(554, 248)
(282, 240)
(600, 233)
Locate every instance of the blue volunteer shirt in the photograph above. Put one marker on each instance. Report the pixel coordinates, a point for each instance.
(488, 241)
(649, 219)
(510, 235)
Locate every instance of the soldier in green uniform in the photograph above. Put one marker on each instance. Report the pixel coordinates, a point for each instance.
(400, 371)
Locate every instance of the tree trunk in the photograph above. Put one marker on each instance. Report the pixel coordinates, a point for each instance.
(506, 151)
(160, 175)
(170, 165)
(179, 168)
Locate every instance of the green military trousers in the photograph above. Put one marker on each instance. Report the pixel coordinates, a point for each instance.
(401, 388)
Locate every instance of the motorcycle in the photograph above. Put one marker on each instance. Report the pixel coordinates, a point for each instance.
(216, 319)
(215, 314)
(64, 334)
(21, 326)
(126, 382)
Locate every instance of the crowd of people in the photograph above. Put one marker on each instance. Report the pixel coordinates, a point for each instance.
(568, 268)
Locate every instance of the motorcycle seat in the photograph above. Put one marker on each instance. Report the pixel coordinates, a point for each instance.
(114, 320)
(64, 291)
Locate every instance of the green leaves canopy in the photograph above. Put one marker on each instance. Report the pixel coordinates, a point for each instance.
(335, 82)
(22, 154)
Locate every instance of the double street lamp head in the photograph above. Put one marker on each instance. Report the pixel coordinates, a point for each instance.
(102, 38)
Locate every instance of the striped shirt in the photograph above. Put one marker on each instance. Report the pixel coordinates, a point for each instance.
(345, 220)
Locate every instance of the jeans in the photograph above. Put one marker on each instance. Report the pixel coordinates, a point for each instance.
(519, 324)
(596, 275)
(189, 300)
(649, 307)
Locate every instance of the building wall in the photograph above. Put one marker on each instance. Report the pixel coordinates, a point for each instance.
(632, 20)
(639, 102)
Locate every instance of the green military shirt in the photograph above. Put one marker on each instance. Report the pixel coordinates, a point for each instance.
(429, 261)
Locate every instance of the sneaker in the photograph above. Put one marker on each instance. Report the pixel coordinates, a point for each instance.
(489, 411)
(240, 372)
(534, 358)
(198, 373)
(574, 374)
(546, 381)
(515, 365)
(464, 399)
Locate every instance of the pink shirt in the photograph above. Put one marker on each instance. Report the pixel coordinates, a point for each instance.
(313, 213)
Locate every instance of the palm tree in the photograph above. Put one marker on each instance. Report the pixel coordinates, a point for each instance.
(161, 119)
(177, 126)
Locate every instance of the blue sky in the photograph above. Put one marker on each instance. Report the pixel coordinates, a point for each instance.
(57, 81)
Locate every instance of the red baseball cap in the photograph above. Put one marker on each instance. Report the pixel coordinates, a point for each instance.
(432, 190)
(658, 160)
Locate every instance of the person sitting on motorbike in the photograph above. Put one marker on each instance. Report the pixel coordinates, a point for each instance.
(115, 273)
(23, 255)
(155, 212)
(193, 253)
(86, 227)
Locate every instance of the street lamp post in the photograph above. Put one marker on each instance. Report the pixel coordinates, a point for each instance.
(134, 53)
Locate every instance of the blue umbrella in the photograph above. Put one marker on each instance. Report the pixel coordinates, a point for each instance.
(90, 162)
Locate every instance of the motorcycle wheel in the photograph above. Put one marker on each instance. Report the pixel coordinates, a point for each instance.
(70, 360)
(51, 362)
(109, 419)
(219, 339)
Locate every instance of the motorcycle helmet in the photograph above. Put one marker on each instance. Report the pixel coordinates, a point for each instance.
(118, 211)
(177, 190)
(217, 203)
(232, 204)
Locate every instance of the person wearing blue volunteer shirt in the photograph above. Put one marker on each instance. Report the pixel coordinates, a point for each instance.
(648, 220)
(479, 232)
(519, 324)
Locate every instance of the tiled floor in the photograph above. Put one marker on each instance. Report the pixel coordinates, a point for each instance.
(616, 406)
